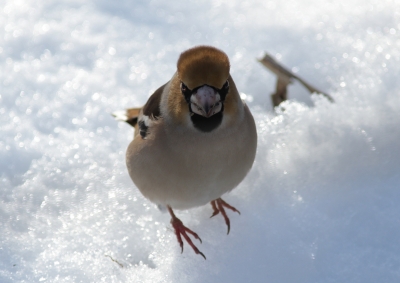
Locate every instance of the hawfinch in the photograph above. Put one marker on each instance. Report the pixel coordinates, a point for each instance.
(195, 139)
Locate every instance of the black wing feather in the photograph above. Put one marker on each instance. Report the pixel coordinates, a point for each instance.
(152, 106)
(151, 110)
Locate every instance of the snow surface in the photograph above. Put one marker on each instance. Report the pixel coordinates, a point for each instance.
(321, 203)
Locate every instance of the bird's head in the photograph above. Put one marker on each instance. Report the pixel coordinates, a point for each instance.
(203, 72)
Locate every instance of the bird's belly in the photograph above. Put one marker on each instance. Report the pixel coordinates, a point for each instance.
(189, 178)
(188, 169)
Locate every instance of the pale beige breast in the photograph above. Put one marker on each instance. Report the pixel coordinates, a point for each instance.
(186, 168)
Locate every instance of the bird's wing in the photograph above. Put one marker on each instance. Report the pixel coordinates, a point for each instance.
(152, 107)
(140, 118)
(150, 112)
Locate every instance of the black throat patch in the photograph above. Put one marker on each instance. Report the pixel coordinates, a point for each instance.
(202, 123)
(207, 124)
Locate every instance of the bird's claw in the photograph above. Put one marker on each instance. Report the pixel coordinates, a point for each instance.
(215, 208)
(218, 206)
(182, 230)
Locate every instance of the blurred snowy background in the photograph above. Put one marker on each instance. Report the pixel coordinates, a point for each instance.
(321, 203)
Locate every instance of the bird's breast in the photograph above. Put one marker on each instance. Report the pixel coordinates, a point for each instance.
(185, 169)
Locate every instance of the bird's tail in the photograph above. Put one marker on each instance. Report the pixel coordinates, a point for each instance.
(129, 116)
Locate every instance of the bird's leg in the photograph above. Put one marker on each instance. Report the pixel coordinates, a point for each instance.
(218, 206)
(215, 208)
(181, 229)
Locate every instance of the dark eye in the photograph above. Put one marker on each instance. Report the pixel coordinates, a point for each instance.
(225, 86)
(186, 92)
(224, 91)
(183, 88)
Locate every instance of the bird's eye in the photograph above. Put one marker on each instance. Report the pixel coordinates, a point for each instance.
(186, 92)
(183, 87)
(224, 91)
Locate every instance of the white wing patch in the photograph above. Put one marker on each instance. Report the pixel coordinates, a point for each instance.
(120, 115)
(144, 123)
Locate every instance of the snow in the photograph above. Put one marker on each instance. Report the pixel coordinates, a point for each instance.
(321, 202)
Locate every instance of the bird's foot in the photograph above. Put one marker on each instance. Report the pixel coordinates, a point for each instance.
(218, 206)
(182, 230)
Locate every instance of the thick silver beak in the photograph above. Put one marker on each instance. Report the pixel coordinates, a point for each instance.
(206, 101)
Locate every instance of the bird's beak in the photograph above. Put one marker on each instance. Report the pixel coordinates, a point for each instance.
(206, 101)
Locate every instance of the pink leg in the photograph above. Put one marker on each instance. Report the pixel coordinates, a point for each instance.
(181, 229)
(215, 208)
(218, 206)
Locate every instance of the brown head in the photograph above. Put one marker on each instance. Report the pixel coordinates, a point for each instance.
(202, 90)
(203, 65)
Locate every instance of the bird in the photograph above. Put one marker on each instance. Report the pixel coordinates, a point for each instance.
(195, 139)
